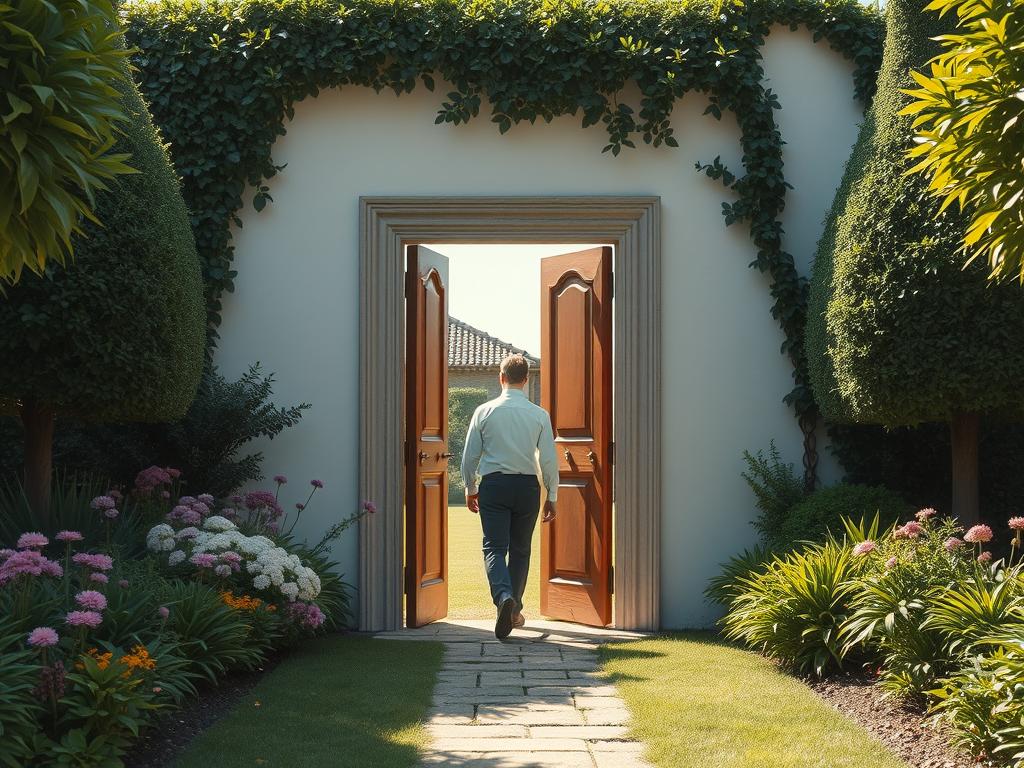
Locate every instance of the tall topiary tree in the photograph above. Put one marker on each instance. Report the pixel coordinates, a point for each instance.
(898, 333)
(120, 336)
(60, 62)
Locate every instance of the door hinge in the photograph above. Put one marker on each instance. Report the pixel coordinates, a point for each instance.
(611, 580)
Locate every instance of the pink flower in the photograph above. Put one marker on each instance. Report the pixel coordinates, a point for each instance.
(864, 547)
(164, 612)
(99, 578)
(306, 615)
(43, 637)
(979, 534)
(910, 530)
(123, 584)
(27, 562)
(174, 473)
(203, 560)
(32, 541)
(952, 544)
(89, 619)
(91, 600)
(300, 506)
(111, 513)
(223, 571)
(317, 483)
(985, 557)
(69, 536)
(1016, 523)
(280, 479)
(891, 563)
(103, 502)
(150, 479)
(206, 499)
(926, 513)
(370, 507)
(236, 498)
(98, 562)
(115, 494)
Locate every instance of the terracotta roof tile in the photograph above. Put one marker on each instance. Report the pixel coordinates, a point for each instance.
(469, 347)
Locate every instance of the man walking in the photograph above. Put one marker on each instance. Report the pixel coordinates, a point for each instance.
(507, 438)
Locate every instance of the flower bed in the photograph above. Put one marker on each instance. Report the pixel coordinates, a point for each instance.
(926, 606)
(100, 631)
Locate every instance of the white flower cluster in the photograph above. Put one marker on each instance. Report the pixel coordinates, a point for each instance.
(269, 565)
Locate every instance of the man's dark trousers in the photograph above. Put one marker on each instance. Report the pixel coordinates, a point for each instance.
(508, 513)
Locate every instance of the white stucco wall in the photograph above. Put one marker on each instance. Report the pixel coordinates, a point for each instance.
(295, 307)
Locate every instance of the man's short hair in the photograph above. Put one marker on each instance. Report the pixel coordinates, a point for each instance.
(515, 369)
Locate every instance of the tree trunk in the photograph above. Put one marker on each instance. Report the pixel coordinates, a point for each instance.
(964, 439)
(38, 420)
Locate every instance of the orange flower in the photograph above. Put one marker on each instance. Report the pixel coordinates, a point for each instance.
(242, 602)
(102, 659)
(138, 659)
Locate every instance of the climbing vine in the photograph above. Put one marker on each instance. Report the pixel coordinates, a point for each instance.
(222, 77)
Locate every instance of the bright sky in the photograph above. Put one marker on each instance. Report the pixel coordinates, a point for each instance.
(497, 288)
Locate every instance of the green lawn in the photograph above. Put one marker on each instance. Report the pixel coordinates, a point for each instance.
(338, 701)
(700, 703)
(468, 594)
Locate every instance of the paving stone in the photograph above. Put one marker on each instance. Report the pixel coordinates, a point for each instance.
(598, 702)
(496, 690)
(527, 716)
(481, 731)
(589, 732)
(618, 760)
(631, 747)
(511, 759)
(607, 716)
(482, 696)
(509, 745)
(548, 689)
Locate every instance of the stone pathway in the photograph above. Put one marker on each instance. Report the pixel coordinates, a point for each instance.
(532, 701)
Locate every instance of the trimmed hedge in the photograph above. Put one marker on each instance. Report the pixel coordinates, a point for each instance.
(822, 512)
(462, 402)
(898, 332)
(119, 333)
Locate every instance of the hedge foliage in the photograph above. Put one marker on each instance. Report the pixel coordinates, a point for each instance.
(898, 333)
(462, 402)
(223, 76)
(822, 512)
(118, 334)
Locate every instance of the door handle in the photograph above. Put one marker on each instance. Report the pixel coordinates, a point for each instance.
(445, 455)
(423, 456)
(568, 456)
(592, 456)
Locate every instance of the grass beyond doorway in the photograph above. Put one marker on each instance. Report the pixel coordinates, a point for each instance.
(698, 702)
(468, 594)
(340, 701)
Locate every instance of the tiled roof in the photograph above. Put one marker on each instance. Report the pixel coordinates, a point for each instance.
(469, 347)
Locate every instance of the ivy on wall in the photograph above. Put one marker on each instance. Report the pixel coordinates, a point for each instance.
(222, 78)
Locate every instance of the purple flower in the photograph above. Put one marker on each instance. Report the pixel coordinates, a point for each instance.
(280, 479)
(43, 637)
(103, 502)
(99, 578)
(203, 560)
(164, 612)
(172, 472)
(91, 600)
(123, 584)
(223, 571)
(111, 513)
(370, 507)
(236, 498)
(317, 483)
(69, 536)
(300, 506)
(206, 499)
(98, 562)
(306, 615)
(32, 541)
(89, 619)
(151, 478)
(891, 563)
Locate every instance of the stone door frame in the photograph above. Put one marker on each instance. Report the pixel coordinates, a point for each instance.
(632, 225)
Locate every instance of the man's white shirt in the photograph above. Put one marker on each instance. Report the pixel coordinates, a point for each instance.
(510, 435)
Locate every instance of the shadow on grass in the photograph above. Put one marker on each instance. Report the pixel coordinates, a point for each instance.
(339, 701)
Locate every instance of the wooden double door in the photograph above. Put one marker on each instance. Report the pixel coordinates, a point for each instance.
(576, 390)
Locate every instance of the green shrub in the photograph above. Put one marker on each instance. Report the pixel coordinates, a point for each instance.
(214, 637)
(119, 335)
(19, 707)
(823, 511)
(736, 572)
(776, 488)
(462, 402)
(793, 610)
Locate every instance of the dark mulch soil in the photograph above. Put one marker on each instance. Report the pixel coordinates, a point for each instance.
(169, 735)
(897, 724)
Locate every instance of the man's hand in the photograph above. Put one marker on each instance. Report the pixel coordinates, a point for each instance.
(473, 502)
(549, 512)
